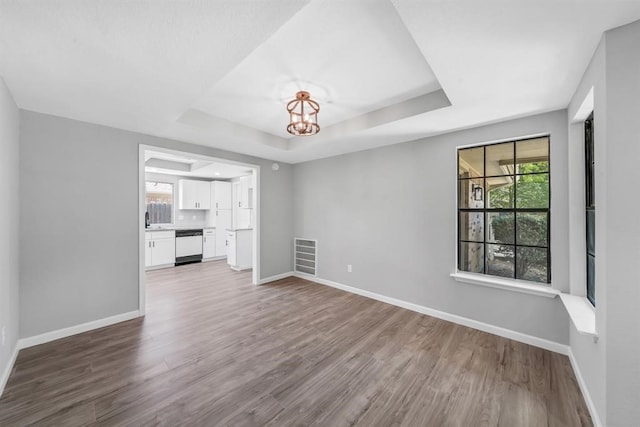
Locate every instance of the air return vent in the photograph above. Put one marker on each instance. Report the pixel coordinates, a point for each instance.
(305, 252)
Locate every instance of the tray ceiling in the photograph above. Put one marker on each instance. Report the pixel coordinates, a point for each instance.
(220, 73)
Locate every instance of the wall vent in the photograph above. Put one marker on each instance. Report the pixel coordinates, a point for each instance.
(305, 256)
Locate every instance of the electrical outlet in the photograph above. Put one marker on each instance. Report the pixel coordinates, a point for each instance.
(194, 217)
(3, 335)
(180, 217)
(349, 268)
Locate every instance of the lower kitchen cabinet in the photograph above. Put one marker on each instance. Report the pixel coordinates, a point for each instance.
(160, 248)
(222, 222)
(240, 249)
(208, 243)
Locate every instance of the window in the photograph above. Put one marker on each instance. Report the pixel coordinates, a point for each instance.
(159, 201)
(503, 210)
(590, 209)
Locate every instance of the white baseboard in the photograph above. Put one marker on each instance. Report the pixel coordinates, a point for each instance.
(77, 329)
(276, 277)
(585, 391)
(485, 327)
(215, 258)
(8, 368)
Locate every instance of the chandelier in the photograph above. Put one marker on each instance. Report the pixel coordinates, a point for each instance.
(303, 115)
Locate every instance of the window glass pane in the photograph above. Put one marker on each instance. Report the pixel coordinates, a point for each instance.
(471, 257)
(159, 202)
(500, 227)
(499, 159)
(472, 226)
(532, 264)
(591, 231)
(499, 192)
(532, 228)
(500, 260)
(471, 162)
(589, 161)
(471, 194)
(532, 191)
(532, 155)
(591, 279)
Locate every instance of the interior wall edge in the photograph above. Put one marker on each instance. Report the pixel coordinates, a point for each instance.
(584, 389)
(9, 368)
(10, 220)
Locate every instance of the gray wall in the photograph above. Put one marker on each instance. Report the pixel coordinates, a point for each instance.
(80, 264)
(9, 219)
(611, 367)
(623, 234)
(391, 213)
(589, 356)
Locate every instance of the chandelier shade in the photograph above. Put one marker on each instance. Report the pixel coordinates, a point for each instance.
(303, 115)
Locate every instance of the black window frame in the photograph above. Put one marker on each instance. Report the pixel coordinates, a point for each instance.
(515, 210)
(590, 208)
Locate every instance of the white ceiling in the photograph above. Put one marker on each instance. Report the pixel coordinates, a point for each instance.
(191, 166)
(219, 73)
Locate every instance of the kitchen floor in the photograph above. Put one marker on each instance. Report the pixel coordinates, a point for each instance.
(214, 349)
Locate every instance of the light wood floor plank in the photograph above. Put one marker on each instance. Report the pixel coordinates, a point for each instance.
(215, 350)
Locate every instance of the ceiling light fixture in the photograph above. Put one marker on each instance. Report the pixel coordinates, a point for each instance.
(303, 115)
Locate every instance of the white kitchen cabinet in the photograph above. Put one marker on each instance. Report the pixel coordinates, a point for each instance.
(147, 249)
(160, 248)
(240, 250)
(208, 243)
(194, 194)
(222, 222)
(220, 195)
(245, 199)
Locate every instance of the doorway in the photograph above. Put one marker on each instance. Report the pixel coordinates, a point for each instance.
(170, 171)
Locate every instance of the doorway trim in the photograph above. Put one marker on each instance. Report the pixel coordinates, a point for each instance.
(142, 285)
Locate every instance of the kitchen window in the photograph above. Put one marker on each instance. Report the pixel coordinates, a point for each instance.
(159, 202)
(503, 210)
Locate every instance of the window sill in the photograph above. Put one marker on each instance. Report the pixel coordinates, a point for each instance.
(506, 284)
(581, 312)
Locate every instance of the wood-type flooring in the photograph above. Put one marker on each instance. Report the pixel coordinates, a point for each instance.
(215, 350)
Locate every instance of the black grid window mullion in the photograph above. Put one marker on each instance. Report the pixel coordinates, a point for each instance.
(515, 216)
(484, 211)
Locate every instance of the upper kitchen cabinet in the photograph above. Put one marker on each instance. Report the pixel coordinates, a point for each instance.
(245, 199)
(221, 195)
(194, 194)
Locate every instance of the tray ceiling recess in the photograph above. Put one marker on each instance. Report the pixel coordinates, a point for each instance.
(220, 73)
(191, 166)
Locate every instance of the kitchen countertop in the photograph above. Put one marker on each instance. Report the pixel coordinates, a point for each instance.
(239, 229)
(180, 227)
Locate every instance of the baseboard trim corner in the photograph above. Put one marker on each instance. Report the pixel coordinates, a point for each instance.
(77, 329)
(7, 370)
(585, 391)
(276, 277)
(464, 321)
